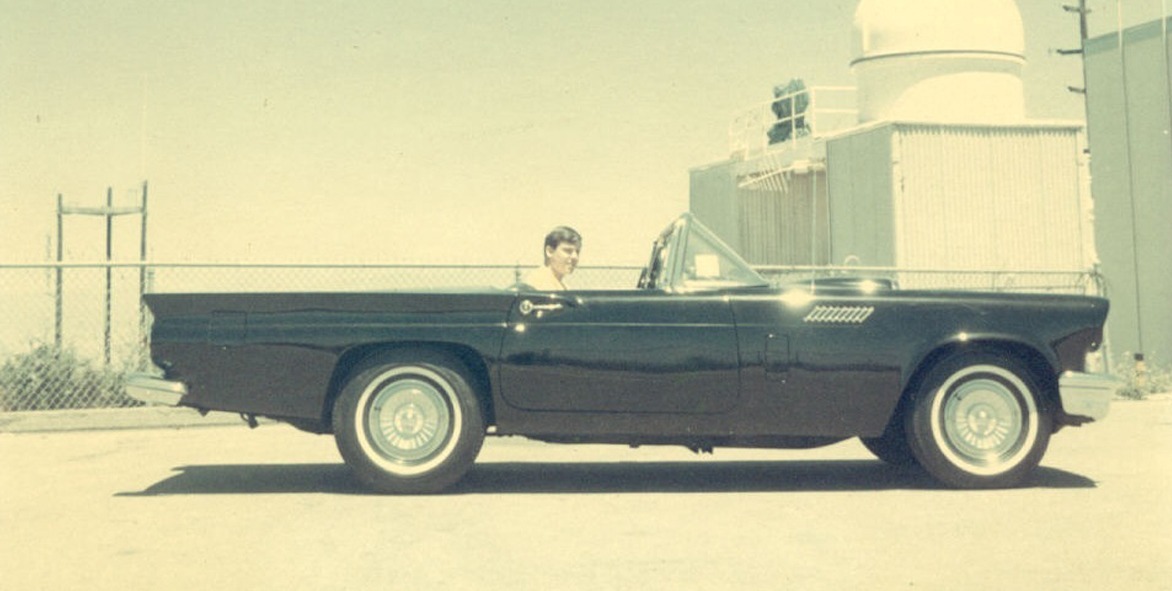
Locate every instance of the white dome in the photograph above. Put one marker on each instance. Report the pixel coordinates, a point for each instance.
(939, 60)
(893, 27)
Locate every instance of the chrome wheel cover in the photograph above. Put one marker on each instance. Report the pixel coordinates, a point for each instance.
(408, 420)
(984, 420)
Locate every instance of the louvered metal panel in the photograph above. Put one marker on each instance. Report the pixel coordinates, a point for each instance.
(988, 198)
(918, 195)
(783, 218)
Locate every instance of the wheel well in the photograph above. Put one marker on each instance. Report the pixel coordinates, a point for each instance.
(354, 359)
(1040, 370)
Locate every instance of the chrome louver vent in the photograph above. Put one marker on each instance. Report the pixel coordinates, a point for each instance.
(839, 314)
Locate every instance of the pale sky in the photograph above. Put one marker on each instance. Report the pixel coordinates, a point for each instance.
(409, 132)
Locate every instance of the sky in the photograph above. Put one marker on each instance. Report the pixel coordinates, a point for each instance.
(409, 132)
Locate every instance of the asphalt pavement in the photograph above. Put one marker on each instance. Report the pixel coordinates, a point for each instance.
(228, 507)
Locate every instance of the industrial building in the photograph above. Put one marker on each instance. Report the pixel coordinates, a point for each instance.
(1129, 127)
(928, 166)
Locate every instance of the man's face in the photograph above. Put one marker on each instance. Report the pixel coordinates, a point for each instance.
(563, 259)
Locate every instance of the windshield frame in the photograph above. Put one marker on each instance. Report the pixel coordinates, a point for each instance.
(665, 270)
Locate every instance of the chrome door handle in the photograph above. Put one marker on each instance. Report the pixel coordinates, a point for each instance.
(527, 307)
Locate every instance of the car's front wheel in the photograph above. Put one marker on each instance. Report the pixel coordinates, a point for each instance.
(409, 426)
(979, 421)
(892, 446)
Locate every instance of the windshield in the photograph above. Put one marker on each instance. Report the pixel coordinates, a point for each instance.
(709, 263)
(687, 256)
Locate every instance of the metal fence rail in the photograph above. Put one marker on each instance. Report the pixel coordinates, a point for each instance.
(68, 347)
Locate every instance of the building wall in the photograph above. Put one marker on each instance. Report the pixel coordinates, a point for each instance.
(783, 219)
(860, 174)
(770, 207)
(1129, 121)
(951, 196)
(990, 198)
(712, 199)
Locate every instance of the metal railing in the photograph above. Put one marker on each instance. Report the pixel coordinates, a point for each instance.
(784, 119)
(69, 348)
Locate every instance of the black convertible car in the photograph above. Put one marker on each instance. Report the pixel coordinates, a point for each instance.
(702, 353)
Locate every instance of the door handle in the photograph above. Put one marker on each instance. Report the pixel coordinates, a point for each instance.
(527, 307)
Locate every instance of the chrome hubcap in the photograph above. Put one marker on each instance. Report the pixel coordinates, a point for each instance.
(982, 419)
(986, 419)
(408, 420)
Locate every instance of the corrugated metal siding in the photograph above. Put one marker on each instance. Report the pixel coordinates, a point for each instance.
(917, 195)
(783, 219)
(987, 198)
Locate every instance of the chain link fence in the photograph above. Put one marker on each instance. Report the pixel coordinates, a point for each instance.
(1071, 282)
(73, 330)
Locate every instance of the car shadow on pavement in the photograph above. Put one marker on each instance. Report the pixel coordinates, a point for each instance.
(586, 477)
(684, 477)
(254, 479)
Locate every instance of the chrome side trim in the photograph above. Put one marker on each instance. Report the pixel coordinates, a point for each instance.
(1087, 394)
(154, 390)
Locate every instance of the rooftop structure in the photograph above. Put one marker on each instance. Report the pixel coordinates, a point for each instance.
(939, 61)
(929, 164)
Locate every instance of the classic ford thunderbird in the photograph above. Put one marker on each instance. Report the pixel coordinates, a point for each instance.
(703, 352)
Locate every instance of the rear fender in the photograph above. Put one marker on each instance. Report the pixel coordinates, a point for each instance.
(462, 357)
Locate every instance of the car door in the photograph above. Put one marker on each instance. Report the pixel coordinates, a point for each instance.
(825, 363)
(639, 351)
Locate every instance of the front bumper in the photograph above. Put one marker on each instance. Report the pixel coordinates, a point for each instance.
(154, 390)
(1087, 394)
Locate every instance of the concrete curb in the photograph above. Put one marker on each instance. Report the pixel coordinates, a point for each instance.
(147, 417)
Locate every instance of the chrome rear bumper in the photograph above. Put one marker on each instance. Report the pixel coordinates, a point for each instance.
(153, 389)
(1086, 394)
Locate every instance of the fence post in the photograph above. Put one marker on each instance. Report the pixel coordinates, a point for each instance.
(58, 293)
(107, 320)
(143, 329)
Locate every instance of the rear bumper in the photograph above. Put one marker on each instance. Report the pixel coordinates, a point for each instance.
(1087, 395)
(154, 390)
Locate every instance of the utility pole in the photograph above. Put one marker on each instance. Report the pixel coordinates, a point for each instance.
(1082, 12)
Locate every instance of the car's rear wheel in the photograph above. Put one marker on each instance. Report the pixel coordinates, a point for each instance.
(409, 425)
(979, 421)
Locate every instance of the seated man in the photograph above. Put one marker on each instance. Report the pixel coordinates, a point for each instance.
(562, 246)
